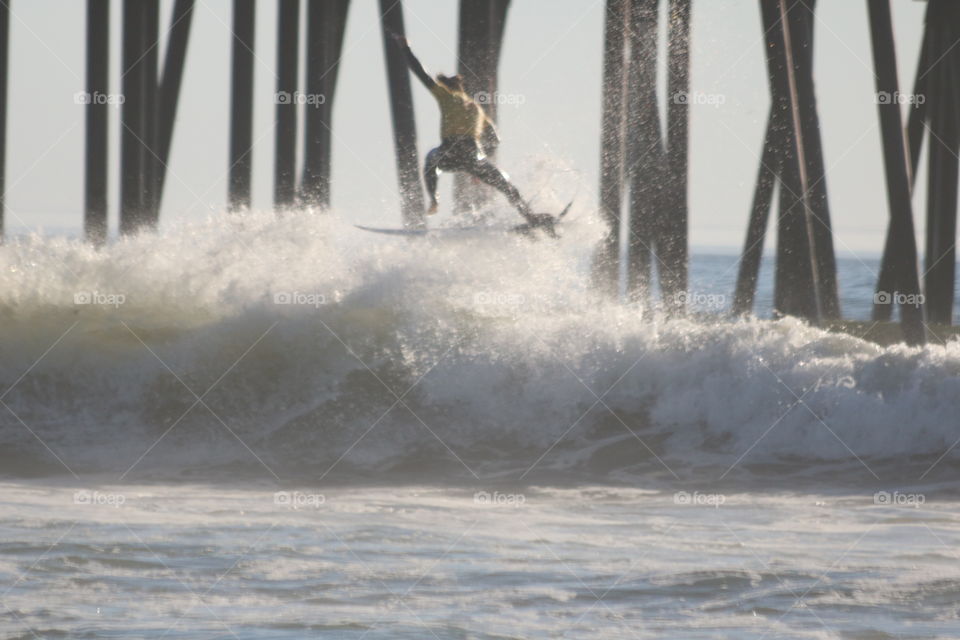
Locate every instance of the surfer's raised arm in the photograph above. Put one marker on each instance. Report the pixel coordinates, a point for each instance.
(467, 134)
(413, 62)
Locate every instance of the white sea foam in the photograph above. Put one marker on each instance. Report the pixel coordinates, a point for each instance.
(487, 354)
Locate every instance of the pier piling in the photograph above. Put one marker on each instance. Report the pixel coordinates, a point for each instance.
(241, 105)
(285, 146)
(903, 274)
(404, 125)
(326, 22)
(606, 260)
(97, 116)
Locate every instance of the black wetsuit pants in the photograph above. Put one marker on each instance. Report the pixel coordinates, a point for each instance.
(463, 153)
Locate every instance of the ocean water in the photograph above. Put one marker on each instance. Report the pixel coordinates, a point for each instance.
(254, 427)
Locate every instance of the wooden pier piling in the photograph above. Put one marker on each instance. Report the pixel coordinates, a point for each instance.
(169, 88)
(404, 125)
(4, 75)
(241, 105)
(767, 176)
(806, 282)
(943, 166)
(285, 145)
(645, 153)
(606, 260)
(673, 245)
(326, 23)
(96, 153)
(903, 274)
(133, 114)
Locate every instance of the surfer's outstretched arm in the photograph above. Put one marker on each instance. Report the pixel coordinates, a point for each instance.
(413, 62)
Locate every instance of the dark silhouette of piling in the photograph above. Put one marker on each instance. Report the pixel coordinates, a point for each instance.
(903, 267)
(169, 88)
(673, 244)
(97, 116)
(151, 111)
(943, 167)
(326, 23)
(149, 108)
(241, 105)
(4, 64)
(934, 105)
(657, 156)
(798, 290)
(612, 145)
(752, 254)
(285, 148)
(806, 283)
(802, 27)
(645, 152)
(134, 131)
(401, 110)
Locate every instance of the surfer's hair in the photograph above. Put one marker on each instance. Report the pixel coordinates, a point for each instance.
(454, 83)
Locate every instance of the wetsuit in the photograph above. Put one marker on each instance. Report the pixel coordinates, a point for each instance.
(463, 124)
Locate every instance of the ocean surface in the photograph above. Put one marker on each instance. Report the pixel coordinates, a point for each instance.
(258, 427)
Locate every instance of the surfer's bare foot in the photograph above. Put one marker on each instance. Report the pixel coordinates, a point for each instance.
(432, 210)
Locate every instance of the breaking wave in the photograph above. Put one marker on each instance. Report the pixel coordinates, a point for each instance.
(274, 346)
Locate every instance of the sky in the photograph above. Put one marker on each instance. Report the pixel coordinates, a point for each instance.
(551, 67)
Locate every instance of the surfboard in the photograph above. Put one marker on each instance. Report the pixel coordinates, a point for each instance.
(545, 222)
(442, 231)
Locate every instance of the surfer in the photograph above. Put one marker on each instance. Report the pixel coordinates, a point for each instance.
(465, 131)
